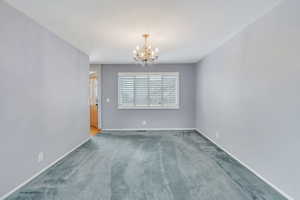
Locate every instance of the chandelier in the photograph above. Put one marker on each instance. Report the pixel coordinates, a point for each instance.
(146, 54)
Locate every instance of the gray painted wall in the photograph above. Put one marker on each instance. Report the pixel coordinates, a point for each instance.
(248, 92)
(44, 97)
(113, 118)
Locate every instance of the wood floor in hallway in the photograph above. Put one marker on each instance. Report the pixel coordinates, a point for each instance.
(94, 131)
(152, 165)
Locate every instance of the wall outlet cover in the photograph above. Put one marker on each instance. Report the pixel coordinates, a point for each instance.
(41, 157)
(217, 135)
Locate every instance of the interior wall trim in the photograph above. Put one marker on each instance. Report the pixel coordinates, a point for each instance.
(154, 129)
(43, 170)
(245, 165)
(150, 129)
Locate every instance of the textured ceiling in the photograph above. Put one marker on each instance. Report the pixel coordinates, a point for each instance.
(108, 30)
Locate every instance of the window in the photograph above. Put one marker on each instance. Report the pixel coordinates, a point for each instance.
(148, 90)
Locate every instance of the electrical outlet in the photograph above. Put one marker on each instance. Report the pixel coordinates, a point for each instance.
(144, 122)
(217, 135)
(41, 157)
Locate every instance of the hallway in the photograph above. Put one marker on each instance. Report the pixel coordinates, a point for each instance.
(153, 165)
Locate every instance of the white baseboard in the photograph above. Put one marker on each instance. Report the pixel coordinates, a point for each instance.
(43, 170)
(246, 166)
(150, 129)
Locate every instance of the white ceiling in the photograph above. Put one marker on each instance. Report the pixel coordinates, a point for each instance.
(108, 30)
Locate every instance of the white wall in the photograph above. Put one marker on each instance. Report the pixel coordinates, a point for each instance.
(248, 91)
(114, 118)
(44, 97)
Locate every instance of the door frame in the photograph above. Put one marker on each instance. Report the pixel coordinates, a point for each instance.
(97, 68)
(99, 92)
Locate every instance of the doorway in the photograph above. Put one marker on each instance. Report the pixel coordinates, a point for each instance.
(94, 102)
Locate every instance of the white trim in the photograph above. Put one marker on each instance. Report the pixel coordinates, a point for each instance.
(148, 107)
(150, 129)
(146, 73)
(43, 170)
(99, 87)
(246, 166)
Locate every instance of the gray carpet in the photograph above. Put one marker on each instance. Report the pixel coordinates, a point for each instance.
(154, 165)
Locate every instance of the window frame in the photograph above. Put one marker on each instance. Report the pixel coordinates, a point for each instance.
(160, 107)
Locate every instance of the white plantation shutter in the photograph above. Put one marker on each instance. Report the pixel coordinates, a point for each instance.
(141, 90)
(126, 87)
(169, 90)
(148, 90)
(155, 90)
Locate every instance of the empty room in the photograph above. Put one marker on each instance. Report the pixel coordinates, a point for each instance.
(149, 100)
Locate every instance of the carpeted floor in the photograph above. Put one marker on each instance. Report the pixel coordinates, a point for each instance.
(152, 165)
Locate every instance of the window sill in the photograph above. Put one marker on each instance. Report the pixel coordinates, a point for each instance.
(148, 108)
